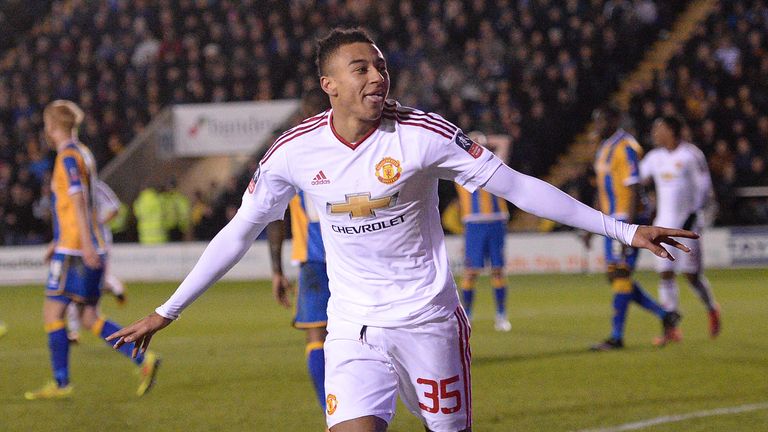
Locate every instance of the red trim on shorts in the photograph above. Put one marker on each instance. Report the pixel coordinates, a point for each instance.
(466, 358)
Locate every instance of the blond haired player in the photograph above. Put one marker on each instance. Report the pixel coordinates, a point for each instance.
(395, 325)
(77, 252)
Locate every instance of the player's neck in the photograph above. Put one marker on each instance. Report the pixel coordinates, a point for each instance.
(610, 133)
(350, 128)
(62, 141)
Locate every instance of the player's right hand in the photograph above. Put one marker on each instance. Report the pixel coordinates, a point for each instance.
(282, 290)
(652, 238)
(139, 332)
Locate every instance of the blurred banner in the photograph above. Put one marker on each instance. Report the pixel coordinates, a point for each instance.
(525, 253)
(135, 262)
(748, 245)
(227, 128)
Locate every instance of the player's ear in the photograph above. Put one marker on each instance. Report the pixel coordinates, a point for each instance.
(328, 85)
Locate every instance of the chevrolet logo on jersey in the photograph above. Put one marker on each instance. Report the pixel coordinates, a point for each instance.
(361, 205)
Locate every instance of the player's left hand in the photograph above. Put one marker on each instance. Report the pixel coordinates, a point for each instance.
(139, 332)
(652, 237)
(282, 289)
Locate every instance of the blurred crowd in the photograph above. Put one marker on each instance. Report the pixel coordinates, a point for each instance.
(719, 84)
(531, 69)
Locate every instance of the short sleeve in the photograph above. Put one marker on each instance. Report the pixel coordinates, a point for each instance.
(645, 167)
(269, 191)
(72, 170)
(106, 200)
(462, 160)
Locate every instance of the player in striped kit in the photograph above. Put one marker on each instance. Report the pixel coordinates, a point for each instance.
(395, 324)
(76, 254)
(616, 167)
(680, 174)
(485, 219)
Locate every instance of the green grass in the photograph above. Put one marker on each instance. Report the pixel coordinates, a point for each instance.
(233, 363)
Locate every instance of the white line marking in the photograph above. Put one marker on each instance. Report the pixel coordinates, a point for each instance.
(681, 417)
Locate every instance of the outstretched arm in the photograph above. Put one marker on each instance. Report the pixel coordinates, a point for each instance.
(222, 253)
(544, 200)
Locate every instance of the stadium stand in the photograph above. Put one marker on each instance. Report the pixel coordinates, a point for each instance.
(678, 77)
(717, 83)
(533, 69)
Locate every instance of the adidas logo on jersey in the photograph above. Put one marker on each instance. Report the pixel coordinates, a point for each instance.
(320, 179)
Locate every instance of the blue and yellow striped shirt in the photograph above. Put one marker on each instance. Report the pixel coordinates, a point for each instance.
(617, 169)
(481, 206)
(74, 172)
(305, 227)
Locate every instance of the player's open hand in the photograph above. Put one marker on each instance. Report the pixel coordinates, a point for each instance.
(652, 237)
(282, 290)
(139, 332)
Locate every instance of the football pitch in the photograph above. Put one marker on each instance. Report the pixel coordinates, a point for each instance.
(233, 363)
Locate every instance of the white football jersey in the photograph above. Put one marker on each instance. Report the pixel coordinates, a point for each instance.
(377, 204)
(106, 203)
(682, 182)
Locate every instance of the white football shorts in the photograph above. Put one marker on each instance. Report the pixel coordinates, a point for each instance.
(684, 262)
(426, 364)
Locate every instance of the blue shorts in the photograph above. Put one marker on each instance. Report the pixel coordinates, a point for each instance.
(312, 301)
(616, 254)
(484, 240)
(70, 280)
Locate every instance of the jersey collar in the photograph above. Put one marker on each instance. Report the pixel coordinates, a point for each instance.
(616, 137)
(353, 146)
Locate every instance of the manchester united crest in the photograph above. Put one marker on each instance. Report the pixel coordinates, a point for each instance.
(331, 403)
(388, 170)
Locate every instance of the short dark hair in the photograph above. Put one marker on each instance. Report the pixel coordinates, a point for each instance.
(338, 37)
(675, 123)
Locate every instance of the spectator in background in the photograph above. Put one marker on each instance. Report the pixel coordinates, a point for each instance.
(125, 62)
(757, 173)
(743, 161)
(721, 160)
(176, 213)
(148, 209)
(717, 83)
(728, 55)
(21, 225)
(200, 216)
